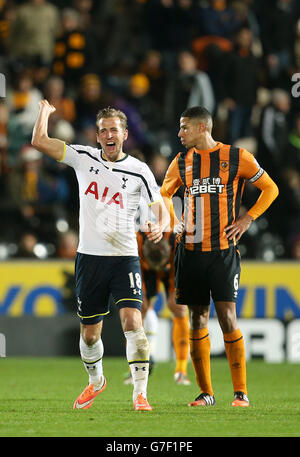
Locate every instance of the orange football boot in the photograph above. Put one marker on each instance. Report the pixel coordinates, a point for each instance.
(141, 404)
(86, 398)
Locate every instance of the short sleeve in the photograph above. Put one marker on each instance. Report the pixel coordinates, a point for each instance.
(71, 155)
(172, 180)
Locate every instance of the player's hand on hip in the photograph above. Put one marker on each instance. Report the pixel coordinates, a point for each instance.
(45, 106)
(239, 227)
(153, 232)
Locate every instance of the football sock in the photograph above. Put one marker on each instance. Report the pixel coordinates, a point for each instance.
(235, 351)
(200, 355)
(137, 352)
(180, 339)
(91, 357)
(150, 325)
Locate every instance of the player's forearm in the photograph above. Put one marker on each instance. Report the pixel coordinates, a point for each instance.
(172, 219)
(269, 192)
(41, 141)
(40, 129)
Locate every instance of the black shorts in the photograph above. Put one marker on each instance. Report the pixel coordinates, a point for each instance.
(151, 283)
(100, 277)
(200, 276)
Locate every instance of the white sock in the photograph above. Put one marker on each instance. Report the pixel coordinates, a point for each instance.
(150, 325)
(137, 352)
(91, 357)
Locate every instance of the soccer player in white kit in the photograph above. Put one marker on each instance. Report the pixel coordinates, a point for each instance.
(111, 184)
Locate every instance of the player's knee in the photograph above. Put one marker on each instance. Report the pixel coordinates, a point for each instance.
(131, 319)
(90, 340)
(90, 337)
(178, 310)
(198, 316)
(91, 333)
(228, 324)
(226, 312)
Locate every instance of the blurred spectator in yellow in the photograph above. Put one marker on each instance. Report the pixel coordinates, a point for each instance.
(91, 99)
(140, 111)
(139, 95)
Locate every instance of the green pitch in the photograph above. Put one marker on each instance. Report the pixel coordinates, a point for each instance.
(37, 394)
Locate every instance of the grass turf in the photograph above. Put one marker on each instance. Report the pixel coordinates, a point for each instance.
(37, 395)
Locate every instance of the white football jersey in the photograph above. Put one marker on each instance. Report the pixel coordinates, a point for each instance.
(109, 194)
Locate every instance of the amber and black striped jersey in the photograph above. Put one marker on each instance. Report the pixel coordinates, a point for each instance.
(214, 181)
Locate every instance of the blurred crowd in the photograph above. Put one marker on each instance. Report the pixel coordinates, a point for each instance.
(151, 59)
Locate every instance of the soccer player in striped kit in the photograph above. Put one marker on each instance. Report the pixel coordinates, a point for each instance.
(111, 184)
(207, 261)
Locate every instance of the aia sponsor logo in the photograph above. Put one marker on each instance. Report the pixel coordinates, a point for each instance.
(105, 196)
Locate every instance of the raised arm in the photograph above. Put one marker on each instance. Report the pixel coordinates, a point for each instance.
(40, 140)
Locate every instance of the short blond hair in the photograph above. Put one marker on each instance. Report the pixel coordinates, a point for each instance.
(112, 112)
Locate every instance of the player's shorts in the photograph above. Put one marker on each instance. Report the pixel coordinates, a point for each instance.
(100, 277)
(200, 276)
(152, 281)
